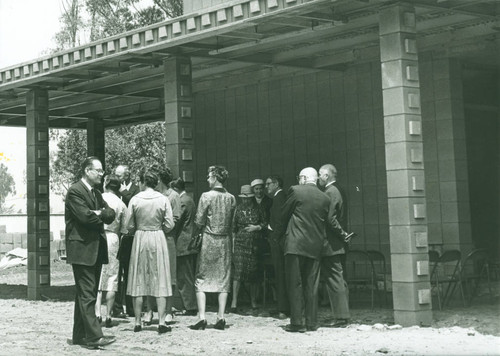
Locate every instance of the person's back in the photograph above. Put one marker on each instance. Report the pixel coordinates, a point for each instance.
(215, 211)
(306, 211)
(115, 203)
(148, 210)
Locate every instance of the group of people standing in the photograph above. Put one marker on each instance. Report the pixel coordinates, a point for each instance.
(139, 243)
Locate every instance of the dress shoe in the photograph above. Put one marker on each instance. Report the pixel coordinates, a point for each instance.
(192, 312)
(340, 323)
(120, 315)
(162, 329)
(220, 324)
(108, 323)
(169, 320)
(311, 328)
(103, 341)
(291, 328)
(281, 316)
(148, 318)
(201, 325)
(137, 328)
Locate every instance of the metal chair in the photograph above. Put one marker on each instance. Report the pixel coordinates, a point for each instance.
(474, 269)
(378, 260)
(360, 271)
(440, 274)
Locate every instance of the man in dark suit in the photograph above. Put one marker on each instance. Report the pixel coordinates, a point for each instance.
(274, 186)
(86, 250)
(186, 257)
(331, 262)
(305, 214)
(127, 190)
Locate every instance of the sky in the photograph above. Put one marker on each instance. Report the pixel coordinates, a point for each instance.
(27, 28)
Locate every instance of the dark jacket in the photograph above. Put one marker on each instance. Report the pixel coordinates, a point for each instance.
(338, 221)
(185, 226)
(275, 221)
(126, 195)
(85, 236)
(305, 215)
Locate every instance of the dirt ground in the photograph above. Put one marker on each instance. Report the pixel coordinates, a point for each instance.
(44, 327)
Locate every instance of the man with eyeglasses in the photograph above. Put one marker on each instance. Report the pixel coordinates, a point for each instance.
(85, 214)
(274, 187)
(305, 215)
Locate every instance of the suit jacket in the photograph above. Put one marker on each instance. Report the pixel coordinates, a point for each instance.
(184, 229)
(338, 221)
(126, 195)
(275, 221)
(305, 214)
(84, 229)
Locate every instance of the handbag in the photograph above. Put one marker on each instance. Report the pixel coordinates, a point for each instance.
(195, 243)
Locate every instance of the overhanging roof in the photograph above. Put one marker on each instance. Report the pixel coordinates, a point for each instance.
(120, 79)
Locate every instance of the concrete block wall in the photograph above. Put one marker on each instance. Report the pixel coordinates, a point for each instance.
(12, 240)
(446, 176)
(282, 126)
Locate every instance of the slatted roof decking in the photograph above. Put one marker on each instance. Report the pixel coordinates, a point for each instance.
(120, 79)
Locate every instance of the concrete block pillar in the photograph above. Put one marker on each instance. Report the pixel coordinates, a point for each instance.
(95, 139)
(37, 139)
(179, 118)
(405, 166)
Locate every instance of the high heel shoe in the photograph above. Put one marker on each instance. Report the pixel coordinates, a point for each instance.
(148, 318)
(137, 328)
(108, 323)
(220, 324)
(162, 329)
(171, 321)
(201, 325)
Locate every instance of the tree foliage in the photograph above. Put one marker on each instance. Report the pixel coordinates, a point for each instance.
(136, 146)
(7, 186)
(91, 20)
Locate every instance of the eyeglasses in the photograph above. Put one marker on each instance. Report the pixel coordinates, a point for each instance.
(99, 171)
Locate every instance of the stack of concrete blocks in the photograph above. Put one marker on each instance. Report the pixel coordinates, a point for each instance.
(12, 240)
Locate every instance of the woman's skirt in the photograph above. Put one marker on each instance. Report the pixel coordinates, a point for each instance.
(149, 271)
(109, 272)
(213, 270)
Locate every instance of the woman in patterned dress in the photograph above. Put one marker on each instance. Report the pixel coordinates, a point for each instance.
(247, 223)
(149, 215)
(213, 218)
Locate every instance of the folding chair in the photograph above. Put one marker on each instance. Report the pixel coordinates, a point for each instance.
(360, 271)
(378, 260)
(446, 270)
(475, 267)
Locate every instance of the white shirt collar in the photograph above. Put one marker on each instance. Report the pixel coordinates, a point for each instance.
(182, 193)
(329, 184)
(129, 185)
(87, 185)
(279, 190)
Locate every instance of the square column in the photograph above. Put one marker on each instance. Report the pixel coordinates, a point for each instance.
(37, 139)
(179, 118)
(405, 166)
(95, 139)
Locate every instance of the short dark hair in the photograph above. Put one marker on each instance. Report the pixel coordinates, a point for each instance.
(165, 175)
(178, 184)
(87, 162)
(277, 179)
(148, 177)
(220, 173)
(112, 182)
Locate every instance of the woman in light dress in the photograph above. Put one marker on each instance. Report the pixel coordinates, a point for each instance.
(109, 273)
(149, 215)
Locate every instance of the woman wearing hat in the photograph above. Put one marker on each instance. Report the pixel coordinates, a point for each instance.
(213, 218)
(247, 223)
